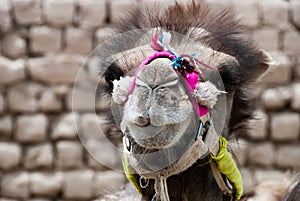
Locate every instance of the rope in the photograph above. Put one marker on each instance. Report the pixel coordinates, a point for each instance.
(161, 189)
(164, 189)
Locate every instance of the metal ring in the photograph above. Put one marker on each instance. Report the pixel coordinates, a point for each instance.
(146, 181)
(199, 132)
(127, 142)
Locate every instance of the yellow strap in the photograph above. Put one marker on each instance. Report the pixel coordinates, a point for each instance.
(130, 175)
(228, 167)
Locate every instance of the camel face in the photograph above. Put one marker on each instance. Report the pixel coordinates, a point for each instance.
(158, 111)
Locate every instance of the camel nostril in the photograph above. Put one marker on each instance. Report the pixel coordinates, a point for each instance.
(142, 121)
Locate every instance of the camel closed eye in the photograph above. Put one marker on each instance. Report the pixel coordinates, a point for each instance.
(139, 82)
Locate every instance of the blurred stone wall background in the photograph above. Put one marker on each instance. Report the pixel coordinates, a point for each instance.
(43, 44)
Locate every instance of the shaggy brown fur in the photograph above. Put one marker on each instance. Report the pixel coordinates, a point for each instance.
(225, 35)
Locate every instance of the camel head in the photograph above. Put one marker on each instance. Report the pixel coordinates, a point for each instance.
(162, 102)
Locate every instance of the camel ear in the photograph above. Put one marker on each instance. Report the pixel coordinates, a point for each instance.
(266, 61)
(267, 58)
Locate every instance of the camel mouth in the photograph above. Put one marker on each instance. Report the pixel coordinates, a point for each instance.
(154, 137)
(161, 137)
(145, 132)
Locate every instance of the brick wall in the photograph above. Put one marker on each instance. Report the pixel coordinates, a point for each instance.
(43, 44)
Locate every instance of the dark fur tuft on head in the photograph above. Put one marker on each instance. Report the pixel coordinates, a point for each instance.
(225, 35)
(114, 72)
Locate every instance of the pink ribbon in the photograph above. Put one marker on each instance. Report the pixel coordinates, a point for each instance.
(192, 79)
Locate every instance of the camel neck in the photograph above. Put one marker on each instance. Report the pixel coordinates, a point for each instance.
(197, 183)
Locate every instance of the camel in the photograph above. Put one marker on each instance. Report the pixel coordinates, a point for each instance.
(180, 85)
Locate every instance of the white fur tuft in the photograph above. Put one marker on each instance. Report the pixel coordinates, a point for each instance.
(206, 94)
(121, 89)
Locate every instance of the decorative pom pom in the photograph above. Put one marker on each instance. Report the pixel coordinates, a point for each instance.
(121, 89)
(206, 94)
